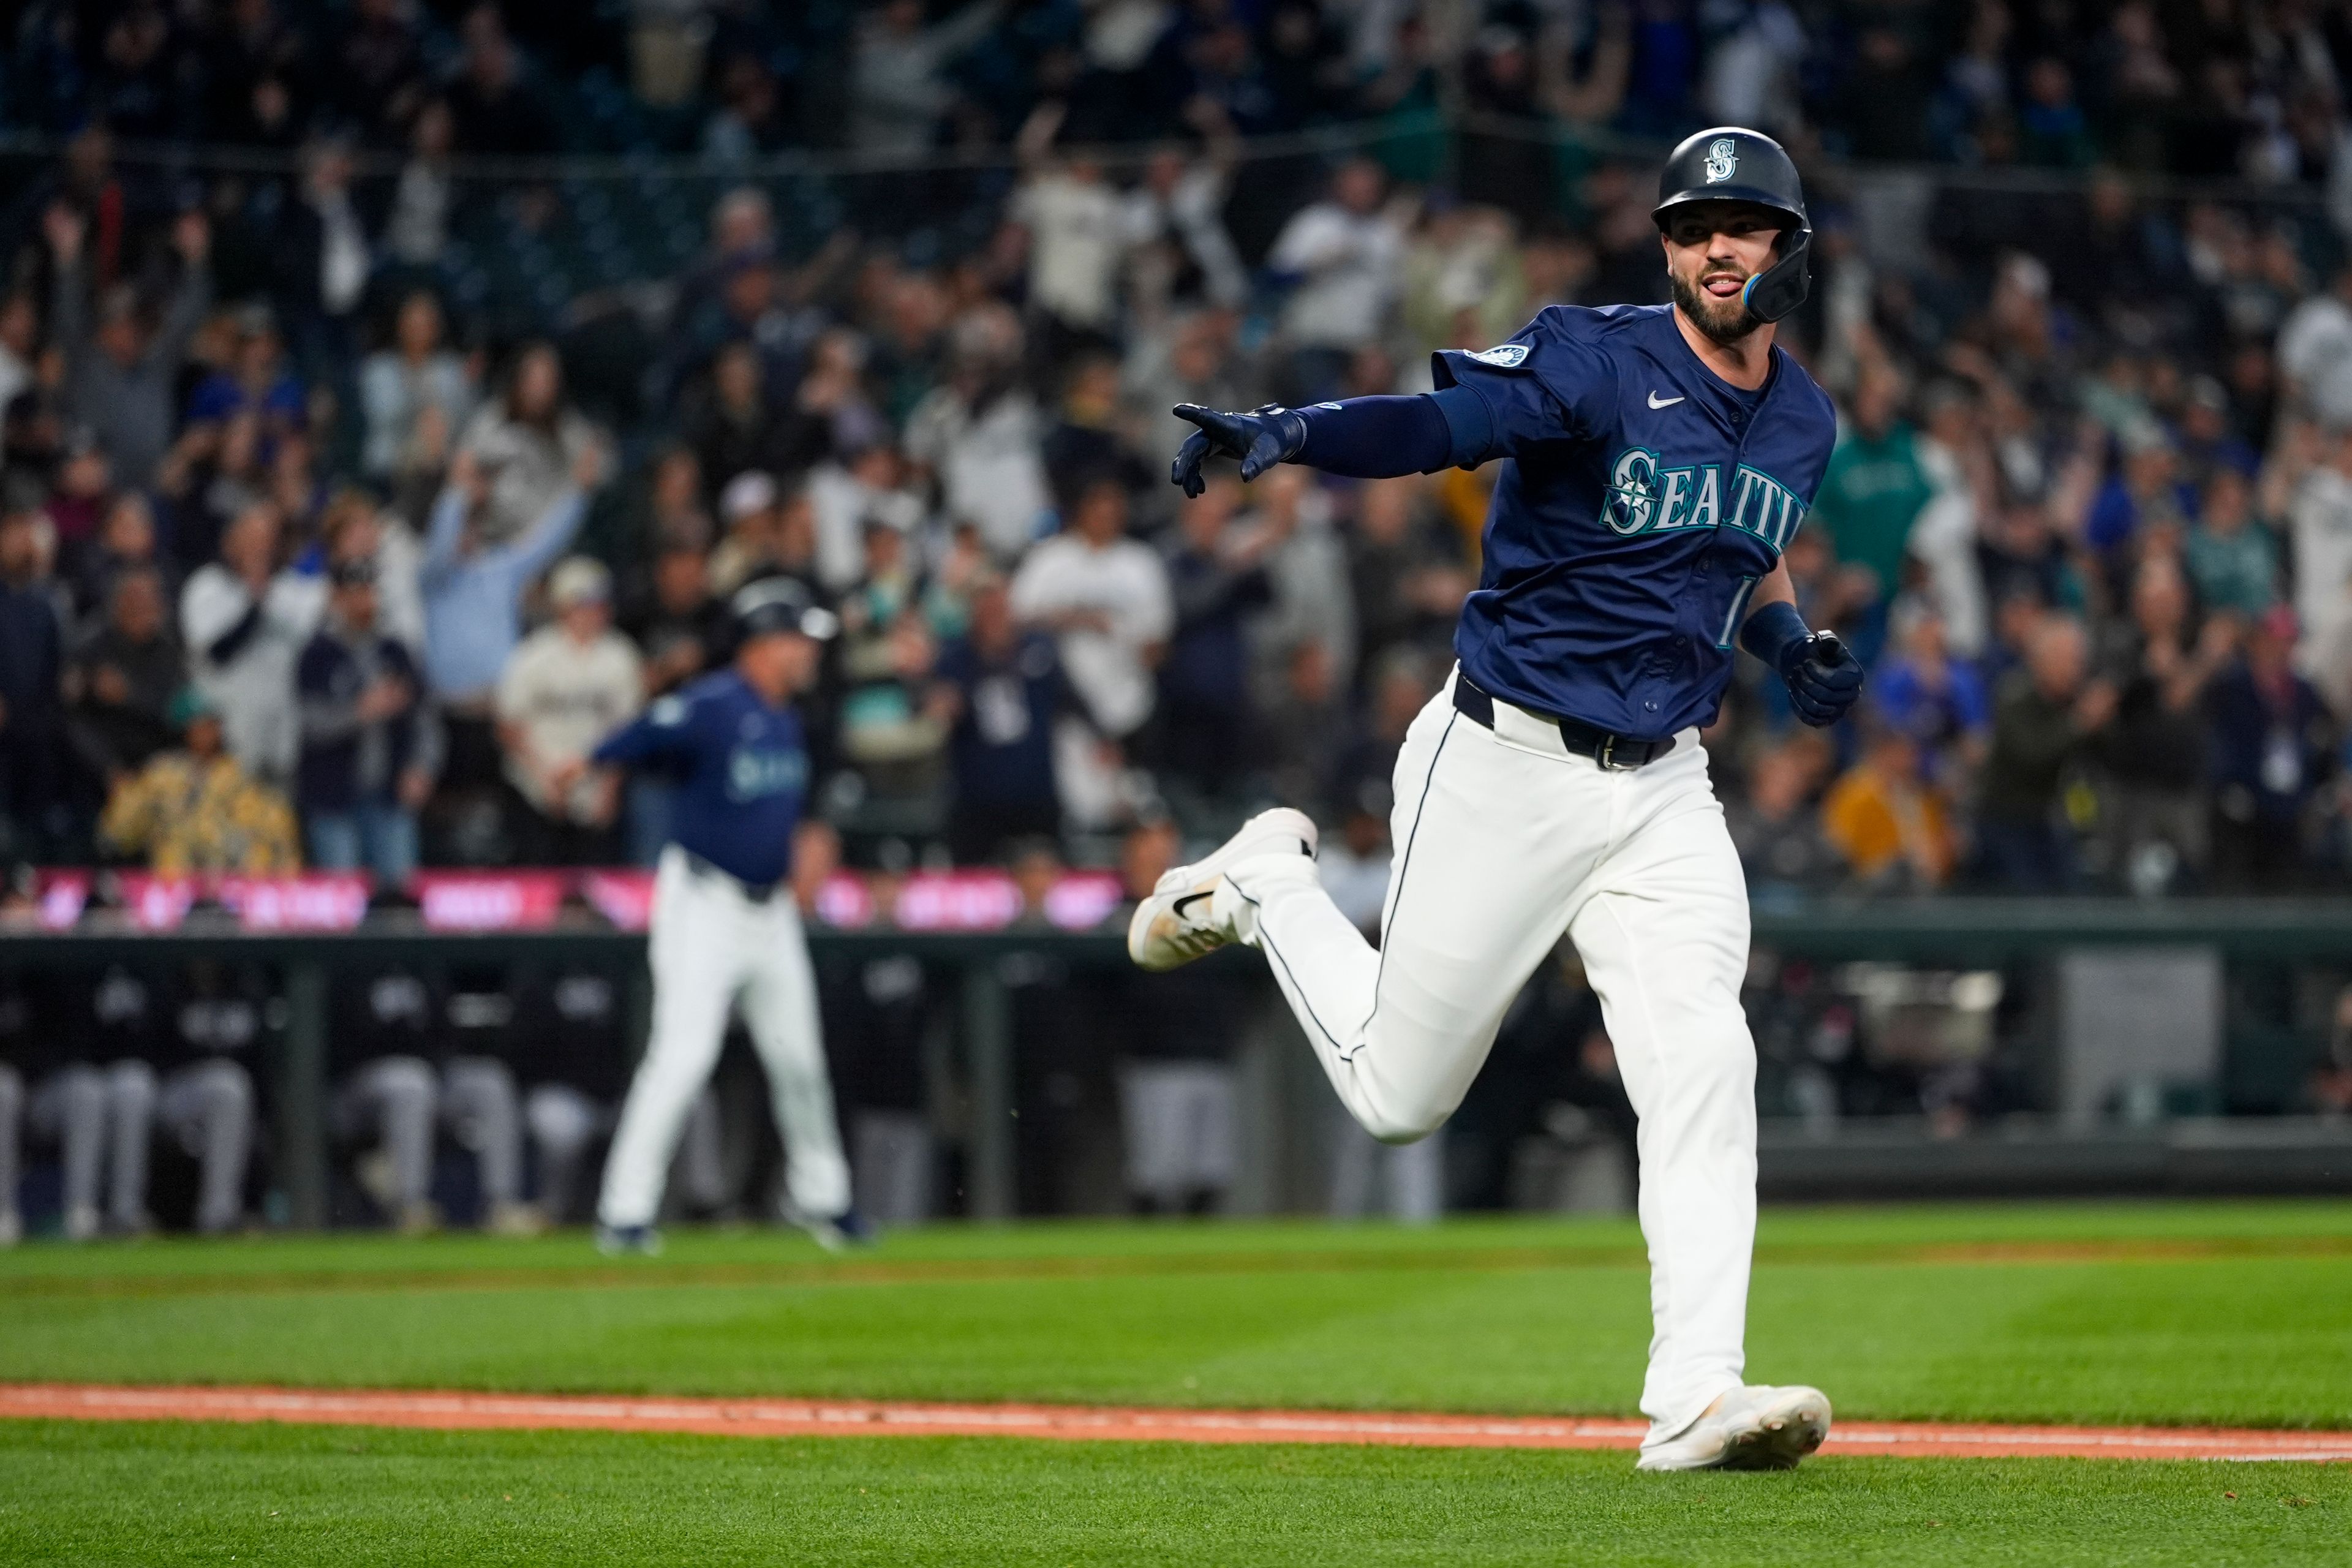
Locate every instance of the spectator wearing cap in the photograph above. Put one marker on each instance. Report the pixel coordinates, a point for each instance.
(2273, 742)
(528, 443)
(245, 620)
(473, 589)
(751, 509)
(1000, 692)
(194, 809)
(121, 376)
(569, 685)
(32, 652)
(369, 745)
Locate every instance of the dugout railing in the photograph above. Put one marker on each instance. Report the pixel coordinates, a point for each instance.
(2205, 1152)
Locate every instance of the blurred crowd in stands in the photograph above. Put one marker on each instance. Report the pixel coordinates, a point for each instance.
(354, 486)
(358, 477)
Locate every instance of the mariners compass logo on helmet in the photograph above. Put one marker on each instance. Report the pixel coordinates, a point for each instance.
(1729, 164)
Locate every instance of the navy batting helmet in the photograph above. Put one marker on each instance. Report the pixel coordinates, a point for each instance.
(1731, 165)
(781, 605)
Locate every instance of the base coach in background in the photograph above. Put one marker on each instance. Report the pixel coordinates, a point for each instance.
(724, 922)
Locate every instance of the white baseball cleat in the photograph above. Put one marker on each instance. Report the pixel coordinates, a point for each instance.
(1749, 1428)
(1177, 923)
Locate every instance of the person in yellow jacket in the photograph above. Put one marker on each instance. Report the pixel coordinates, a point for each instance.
(1893, 827)
(196, 809)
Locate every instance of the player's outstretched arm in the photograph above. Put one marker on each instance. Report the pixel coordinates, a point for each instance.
(1360, 438)
(1823, 678)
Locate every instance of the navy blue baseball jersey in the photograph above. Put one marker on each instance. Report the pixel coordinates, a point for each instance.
(742, 771)
(1642, 498)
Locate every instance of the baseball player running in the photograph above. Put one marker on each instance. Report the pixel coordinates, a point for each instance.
(724, 922)
(1657, 460)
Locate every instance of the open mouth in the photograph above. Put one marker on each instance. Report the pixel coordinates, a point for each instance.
(1723, 285)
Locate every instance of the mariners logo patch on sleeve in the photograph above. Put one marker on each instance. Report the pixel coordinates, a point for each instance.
(1504, 356)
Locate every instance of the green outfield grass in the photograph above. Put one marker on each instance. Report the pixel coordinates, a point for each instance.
(2226, 1313)
(324, 1498)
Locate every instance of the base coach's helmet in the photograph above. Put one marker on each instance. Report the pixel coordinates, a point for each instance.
(1729, 165)
(774, 605)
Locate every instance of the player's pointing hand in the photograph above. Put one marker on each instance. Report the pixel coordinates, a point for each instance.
(1260, 439)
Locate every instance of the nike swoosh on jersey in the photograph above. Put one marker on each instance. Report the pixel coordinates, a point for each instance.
(1657, 402)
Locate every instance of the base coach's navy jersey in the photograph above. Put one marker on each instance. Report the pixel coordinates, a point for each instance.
(1641, 499)
(743, 769)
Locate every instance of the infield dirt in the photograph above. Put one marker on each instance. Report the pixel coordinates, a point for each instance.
(801, 1418)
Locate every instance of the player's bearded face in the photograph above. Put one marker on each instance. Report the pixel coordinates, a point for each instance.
(1711, 253)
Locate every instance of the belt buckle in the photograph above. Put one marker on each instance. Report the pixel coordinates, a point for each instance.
(1607, 756)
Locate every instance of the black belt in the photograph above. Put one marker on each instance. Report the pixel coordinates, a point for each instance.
(1615, 753)
(758, 892)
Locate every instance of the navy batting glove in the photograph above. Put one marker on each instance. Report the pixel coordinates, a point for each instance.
(1261, 438)
(1823, 678)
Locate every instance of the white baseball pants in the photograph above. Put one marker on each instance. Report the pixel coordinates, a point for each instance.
(1505, 841)
(709, 943)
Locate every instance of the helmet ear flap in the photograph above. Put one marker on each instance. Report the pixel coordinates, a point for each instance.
(1781, 288)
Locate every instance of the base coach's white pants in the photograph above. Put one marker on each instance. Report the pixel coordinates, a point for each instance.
(1504, 841)
(711, 941)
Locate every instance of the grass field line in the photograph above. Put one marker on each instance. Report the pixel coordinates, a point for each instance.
(834, 1417)
(887, 1271)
